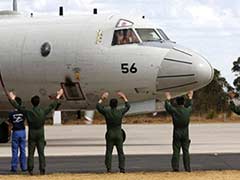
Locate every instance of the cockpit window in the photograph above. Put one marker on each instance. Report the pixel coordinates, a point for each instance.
(148, 35)
(162, 33)
(124, 36)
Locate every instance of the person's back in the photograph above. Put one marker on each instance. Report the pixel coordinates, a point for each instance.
(181, 118)
(17, 122)
(114, 135)
(17, 119)
(36, 117)
(114, 117)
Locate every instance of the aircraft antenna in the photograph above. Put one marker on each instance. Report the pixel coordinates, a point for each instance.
(15, 8)
(61, 11)
(95, 11)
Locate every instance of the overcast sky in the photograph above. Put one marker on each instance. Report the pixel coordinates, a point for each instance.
(210, 27)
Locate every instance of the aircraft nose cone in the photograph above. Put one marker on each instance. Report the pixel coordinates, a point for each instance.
(204, 71)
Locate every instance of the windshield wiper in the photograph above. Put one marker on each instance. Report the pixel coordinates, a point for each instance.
(152, 40)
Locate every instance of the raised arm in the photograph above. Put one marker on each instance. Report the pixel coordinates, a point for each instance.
(54, 104)
(189, 101)
(127, 105)
(168, 106)
(14, 103)
(99, 106)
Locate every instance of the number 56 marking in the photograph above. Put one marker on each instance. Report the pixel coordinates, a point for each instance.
(125, 68)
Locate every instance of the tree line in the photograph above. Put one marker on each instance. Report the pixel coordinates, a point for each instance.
(214, 97)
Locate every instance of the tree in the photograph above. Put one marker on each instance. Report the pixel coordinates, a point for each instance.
(236, 70)
(213, 97)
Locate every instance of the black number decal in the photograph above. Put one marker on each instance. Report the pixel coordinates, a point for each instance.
(133, 68)
(125, 69)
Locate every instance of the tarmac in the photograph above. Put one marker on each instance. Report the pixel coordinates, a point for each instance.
(81, 148)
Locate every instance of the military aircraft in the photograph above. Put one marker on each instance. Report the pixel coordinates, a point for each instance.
(89, 54)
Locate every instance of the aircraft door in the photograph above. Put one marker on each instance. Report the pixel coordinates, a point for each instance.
(73, 91)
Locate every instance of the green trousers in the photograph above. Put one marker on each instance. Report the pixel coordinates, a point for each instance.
(114, 138)
(181, 141)
(36, 140)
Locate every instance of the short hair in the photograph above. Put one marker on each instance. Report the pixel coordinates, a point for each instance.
(18, 100)
(180, 100)
(113, 103)
(35, 101)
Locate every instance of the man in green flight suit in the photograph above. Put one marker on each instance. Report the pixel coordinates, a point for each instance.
(233, 107)
(181, 118)
(114, 135)
(36, 117)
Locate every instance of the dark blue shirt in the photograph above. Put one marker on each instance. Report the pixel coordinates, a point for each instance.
(17, 119)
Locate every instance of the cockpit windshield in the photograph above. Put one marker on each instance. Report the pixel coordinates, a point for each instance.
(148, 35)
(162, 33)
(124, 36)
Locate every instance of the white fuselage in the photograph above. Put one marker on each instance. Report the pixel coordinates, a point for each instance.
(77, 53)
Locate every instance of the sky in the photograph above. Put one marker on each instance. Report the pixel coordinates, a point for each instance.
(210, 27)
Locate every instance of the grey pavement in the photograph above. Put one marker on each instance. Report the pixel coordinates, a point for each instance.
(134, 163)
(141, 139)
(148, 148)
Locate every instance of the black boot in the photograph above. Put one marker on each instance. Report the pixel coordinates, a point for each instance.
(175, 170)
(42, 172)
(108, 170)
(122, 170)
(30, 172)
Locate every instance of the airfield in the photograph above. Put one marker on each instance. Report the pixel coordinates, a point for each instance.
(81, 148)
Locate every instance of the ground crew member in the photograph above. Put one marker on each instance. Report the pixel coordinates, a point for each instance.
(233, 107)
(17, 125)
(36, 117)
(114, 135)
(181, 118)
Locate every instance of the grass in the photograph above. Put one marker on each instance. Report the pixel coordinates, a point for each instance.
(198, 175)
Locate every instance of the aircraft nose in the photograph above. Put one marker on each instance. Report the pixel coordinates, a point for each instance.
(183, 70)
(203, 69)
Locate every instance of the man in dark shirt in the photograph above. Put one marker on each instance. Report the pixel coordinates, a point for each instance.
(16, 120)
(36, 117)
(181, 118)
(114, 135)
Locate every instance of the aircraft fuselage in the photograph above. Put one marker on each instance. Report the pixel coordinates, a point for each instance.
(39, 55)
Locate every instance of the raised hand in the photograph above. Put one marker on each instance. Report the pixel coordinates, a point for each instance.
(104, 95)
(12, 95)
(190, 94)
(122, 96)
(168, 95)
(60, 93)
